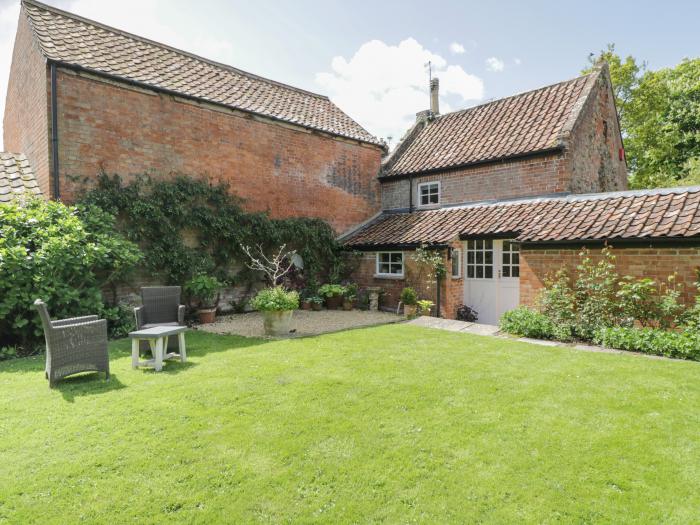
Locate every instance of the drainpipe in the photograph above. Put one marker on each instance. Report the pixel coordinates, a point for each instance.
(54, 134)
(437, 312)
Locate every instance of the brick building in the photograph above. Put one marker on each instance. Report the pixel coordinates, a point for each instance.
(83, 97)
(510, 191)
(507, 191)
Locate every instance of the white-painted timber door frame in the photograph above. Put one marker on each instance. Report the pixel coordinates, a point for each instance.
(489, 286)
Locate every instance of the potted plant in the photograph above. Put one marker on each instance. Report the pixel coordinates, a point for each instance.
(425, 306)
(333, 294)
(349, 297)
(306, 300)
(277, 306)
(316, 303)
(205, 289)
(409, 298)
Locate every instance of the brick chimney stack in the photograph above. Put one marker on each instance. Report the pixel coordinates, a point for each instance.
(434, 93)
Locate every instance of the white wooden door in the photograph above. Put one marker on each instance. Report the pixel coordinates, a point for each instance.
(491, 278)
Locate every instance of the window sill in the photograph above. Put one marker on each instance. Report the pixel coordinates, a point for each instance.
(388, 276)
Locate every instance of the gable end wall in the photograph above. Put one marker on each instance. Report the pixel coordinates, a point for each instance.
(595, 144)
(26, 119)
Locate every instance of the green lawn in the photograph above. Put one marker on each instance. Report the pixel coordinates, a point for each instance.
(394, 424)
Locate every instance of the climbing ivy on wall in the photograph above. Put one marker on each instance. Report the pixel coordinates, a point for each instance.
(186, 226)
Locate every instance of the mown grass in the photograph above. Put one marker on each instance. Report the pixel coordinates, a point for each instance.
(394, 424)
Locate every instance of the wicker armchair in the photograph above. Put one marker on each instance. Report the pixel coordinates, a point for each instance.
(73, 345)
(161, 307)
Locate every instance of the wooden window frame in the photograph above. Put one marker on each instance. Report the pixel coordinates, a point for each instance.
(378, 263)
(420, 194)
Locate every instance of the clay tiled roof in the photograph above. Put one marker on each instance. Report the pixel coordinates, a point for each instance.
(633, 215)
(69, 39)
(16, 177)
(523, 124)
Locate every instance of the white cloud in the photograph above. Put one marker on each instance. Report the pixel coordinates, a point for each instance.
(517, 61)
(495, 64)
(383, 86)
(457, 48)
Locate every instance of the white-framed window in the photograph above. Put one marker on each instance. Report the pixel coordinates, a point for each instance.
(456, 263)
(479, 259)
(390, 264)
(429, 193)
(511, 259)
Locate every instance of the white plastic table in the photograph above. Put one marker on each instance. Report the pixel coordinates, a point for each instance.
(157, 338)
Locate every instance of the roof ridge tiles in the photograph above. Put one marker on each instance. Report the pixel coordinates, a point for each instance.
(73, 41)
(509, 97)
(188, 54)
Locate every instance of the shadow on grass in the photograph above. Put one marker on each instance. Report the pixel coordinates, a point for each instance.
(170, 366)
(89, 384)
(198, 344)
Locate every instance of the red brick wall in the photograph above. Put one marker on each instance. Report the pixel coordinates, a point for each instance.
(26, 119)
(540, 175)
(451, 290)
(595, 144)
(657, 263)
(282, 168)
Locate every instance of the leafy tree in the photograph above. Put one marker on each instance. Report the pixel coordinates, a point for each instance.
(659, 118)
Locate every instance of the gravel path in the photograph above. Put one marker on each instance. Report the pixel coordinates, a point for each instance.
(304, 322)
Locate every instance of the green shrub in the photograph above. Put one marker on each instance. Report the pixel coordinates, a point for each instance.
(351, 291)
(595, 288)
(205, 289)
(642, 301)
(683, 345)
(690, 319)
(120, 320)
(62, 254)
(557, 301)
(425, 306)
(275, 299)
(524, 321)
(409, 296)
(331, 290)
(9, 352)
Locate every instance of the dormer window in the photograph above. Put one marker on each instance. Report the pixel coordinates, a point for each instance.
(429, 194)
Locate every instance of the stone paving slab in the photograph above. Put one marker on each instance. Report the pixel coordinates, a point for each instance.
(452, 325)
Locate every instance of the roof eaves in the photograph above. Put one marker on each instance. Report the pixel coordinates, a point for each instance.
(170, 48)
(145, 85)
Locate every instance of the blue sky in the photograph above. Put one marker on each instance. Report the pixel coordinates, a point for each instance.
(368, 56)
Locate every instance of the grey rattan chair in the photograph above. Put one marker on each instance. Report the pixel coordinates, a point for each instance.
(161, 307)
(73, 345)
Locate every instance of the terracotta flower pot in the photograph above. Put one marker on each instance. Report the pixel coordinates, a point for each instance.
(334, 302)
(347, 305)
(206, 315)
(316, 307)
(306, 305)
(277, 322)
(409, 310)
